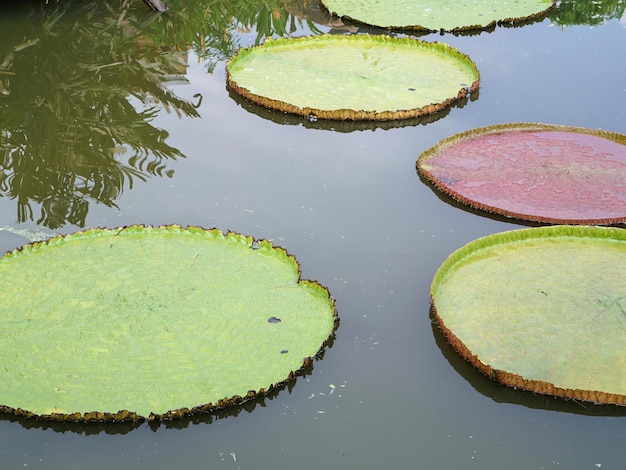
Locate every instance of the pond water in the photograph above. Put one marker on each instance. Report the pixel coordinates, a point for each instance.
(345, 200)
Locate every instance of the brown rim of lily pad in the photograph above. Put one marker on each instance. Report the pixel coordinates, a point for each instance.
(531, 171)
(472, 29)
(458, 65)
(519, 308)
(344, 126)
(197, 315)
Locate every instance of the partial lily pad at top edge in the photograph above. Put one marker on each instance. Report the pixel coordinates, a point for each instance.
(541, 309)
(439, 15)
(535, 172)
(369, 78)
(152, 323)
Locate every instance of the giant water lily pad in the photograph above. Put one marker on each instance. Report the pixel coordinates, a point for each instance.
(536, 172)
(374, 78)
(145, 322)
(542, 309)
(435, 15)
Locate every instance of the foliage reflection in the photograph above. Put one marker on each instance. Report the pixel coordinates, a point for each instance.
(81, 82)
(80, 85)
(587, 12)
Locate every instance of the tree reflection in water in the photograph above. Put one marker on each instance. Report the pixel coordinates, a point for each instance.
(80, 84)
(587, 12)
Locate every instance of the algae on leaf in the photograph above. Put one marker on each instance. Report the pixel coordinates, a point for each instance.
(436, 15)
(372, 78)
(542, 309)
(155, 322)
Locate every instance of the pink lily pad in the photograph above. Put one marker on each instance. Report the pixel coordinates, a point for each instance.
(535, 172)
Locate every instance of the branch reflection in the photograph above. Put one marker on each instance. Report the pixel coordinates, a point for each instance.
(80, 83)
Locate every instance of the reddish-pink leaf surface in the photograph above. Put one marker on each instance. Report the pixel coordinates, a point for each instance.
(534, 172)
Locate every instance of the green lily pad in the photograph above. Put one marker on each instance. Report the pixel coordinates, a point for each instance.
(541, 309)
(439, 15)
(373, 78)
(143, 322)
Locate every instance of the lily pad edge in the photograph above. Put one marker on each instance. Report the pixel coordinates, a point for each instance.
(226, 402)
(513, 22)
(522, 126)
(510, 379)
(350, 114)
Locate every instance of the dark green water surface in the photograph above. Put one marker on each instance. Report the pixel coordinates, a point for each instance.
(112, 116)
